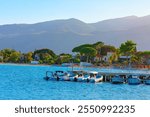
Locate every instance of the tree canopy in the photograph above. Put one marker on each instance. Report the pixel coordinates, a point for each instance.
(78, 48)
(45, 50)
(107, 48)
(128, 47)
(89, 52)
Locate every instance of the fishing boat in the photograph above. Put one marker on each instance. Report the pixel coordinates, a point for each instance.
(57, 75)
(80, 77)
(73, 75)
(147, 80)
(95, 77)
(117, 79)
(133, 80)
(50, 76)
(61, 75)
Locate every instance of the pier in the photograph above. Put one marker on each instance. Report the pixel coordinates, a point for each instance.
(108, 75)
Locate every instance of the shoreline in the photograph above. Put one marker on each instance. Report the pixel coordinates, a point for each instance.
(100, 67)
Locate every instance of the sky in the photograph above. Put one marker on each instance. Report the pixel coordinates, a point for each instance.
(90, 11)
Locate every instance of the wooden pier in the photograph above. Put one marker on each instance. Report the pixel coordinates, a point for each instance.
(108, 75)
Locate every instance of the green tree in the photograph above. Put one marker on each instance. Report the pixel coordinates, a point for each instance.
(98, 46)
(14, 57)
(128, 49)
(46, 58)
(1, 56)
(6, 54)
(65, 58)
(46, 55)
(107, 48)
(89, 52)
(28, 57)
(78, 48)
(45, 50)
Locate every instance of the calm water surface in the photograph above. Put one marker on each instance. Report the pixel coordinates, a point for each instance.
(20, 82)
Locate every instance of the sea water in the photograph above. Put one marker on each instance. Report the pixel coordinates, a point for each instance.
(25, 82)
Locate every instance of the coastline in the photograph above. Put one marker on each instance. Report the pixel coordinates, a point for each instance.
(88, 67)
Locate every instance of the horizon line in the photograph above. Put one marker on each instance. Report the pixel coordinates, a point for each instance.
(74, 18)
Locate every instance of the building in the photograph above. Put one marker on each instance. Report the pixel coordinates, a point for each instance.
(124, 58)
(107, 57)
(36, 57)
(35, 62)
(104, 58)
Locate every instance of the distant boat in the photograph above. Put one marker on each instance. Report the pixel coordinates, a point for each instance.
(62, 75)
(50, 76)
(133, 80)
(76, 75)
(73, 75)
(147, 80)
(80, 77)
(57, 75)
(95, 77)
(117, 80)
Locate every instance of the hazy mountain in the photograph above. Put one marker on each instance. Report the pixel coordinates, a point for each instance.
(63, 35)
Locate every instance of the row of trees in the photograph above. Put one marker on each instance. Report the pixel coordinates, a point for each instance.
(44, 56)
(127, 49)
(86, 51)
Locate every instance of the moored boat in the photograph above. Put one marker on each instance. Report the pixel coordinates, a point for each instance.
(50, 76)
(117, 80)
(133, 80)
(95, 77)
(73, 75)
(147, 80)
(57, 75)
(80, 77)
(62, 75)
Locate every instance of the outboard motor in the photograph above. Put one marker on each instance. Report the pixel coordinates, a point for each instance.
(46, 78)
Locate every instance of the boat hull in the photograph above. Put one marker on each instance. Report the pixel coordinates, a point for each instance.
(117, 80)
(133, 81)
(51, 78)
(64, 78)
(95, 80)
(80, 79)
(147, 81)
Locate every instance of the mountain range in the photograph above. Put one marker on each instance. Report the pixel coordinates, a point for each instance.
(63, 35)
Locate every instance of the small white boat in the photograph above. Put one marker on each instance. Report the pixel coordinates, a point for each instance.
(50, 76)
(147, 80)
(73, 75)
(117, 80)
(133, 80)
(80, 77)
(86, 77)
(61, 75)
(95, 77)
(76, 76)
(57, 75)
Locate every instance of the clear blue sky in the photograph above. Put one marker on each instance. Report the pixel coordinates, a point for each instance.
(31, 11)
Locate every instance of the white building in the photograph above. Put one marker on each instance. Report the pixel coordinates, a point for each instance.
(124, 58)
(107, 57)
(35, 62)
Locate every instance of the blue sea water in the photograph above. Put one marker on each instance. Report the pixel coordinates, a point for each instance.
(25, 82)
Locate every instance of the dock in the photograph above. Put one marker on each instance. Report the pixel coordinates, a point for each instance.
(108, 75)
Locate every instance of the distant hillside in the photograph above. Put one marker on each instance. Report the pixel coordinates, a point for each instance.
(63, 35)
